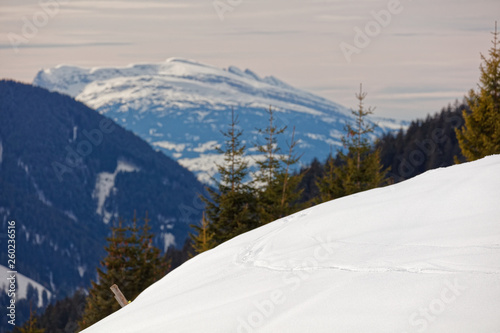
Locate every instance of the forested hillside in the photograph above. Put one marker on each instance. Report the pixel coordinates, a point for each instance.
(426, 144)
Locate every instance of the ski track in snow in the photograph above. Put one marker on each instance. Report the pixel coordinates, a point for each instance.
(249, 257)
(369, 262)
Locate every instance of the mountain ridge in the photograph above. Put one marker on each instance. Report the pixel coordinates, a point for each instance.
(67, 172)
(180, 106)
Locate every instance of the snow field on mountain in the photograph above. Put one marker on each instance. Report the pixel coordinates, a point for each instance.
(22, 283)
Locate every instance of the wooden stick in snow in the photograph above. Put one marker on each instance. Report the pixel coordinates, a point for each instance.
(118, 295)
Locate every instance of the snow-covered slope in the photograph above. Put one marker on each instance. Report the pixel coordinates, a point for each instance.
(419, 256)
(180, 106)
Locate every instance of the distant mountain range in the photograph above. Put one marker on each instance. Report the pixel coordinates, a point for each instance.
(67, 172)
(180, 106)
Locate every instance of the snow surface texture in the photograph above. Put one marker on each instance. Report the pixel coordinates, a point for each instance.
(419, 256)
(180, 106)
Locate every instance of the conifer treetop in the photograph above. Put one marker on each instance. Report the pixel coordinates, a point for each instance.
(235, 168)
(480, 136)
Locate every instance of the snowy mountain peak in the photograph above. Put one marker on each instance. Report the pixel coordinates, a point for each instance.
(73, 79)
(180, 106)
(248, 74)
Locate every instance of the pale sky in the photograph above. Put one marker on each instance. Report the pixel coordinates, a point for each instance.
(420, 57)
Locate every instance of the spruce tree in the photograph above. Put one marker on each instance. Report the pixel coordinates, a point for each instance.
(64, 315)
(132, 263)
(203, 239)
(100, 303)
(269, 148)
(265, 180)
(360, 168)
(289, 182)
(152, 265)
(230, 209)
(326, 183)
(277, 188)
(480, 136)
(31, 326)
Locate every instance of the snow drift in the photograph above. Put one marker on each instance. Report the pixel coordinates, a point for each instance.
(418, 256)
